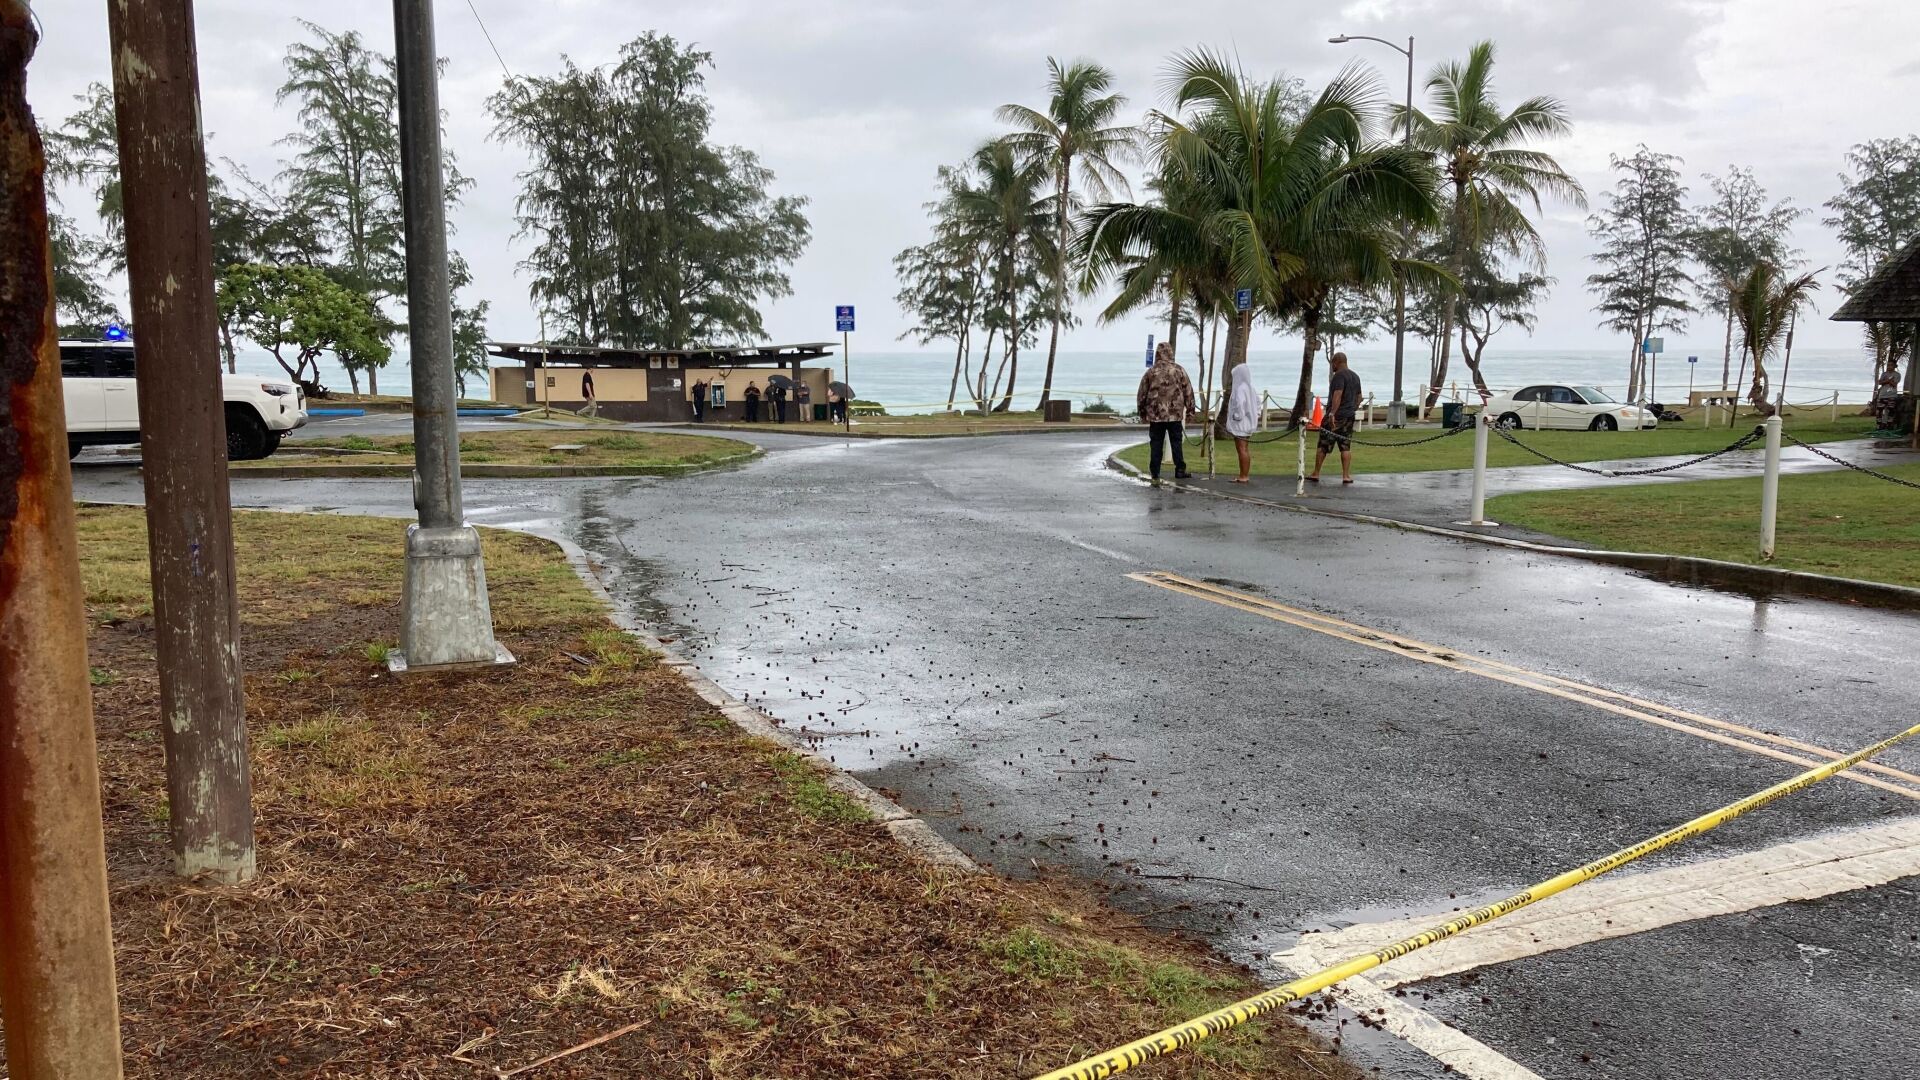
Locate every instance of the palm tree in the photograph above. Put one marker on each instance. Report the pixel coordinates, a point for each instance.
(1764, 303)
(1009, 206)
(1283, 204)
(1483, 153)
(1078, 124)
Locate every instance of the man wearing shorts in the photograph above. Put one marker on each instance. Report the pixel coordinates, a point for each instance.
(1336, 432)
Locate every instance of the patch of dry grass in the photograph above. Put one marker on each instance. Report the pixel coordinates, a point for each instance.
(504, 864)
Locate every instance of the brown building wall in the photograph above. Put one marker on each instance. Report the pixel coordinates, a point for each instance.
(660, 394)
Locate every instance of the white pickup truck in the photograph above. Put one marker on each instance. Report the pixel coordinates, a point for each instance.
(103, 409)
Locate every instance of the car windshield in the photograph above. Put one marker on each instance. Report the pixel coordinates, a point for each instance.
(1594, 397)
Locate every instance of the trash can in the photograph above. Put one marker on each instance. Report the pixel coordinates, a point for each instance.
(820, 410)
(1059, 411)
(1452, 414)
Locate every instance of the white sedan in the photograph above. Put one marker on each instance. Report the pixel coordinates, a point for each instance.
(1576, 408)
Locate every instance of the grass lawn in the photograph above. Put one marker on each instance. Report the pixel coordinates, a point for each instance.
(1278, 457)
(622, 448)
(508, 863)
(939, 424)
(1837, 523)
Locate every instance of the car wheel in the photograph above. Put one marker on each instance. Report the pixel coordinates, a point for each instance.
(1510, 421)
(1603, 423)
(246, 436)
(74, 446)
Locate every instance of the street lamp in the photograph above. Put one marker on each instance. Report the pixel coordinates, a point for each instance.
(1397, 409)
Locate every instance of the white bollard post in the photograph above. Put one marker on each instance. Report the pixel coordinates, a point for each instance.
(1480, 471)
(1833, 416)
(1266, 404)
(1770, 488)
(1300, 485)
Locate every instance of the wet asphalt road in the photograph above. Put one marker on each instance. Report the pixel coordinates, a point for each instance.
(952, 619)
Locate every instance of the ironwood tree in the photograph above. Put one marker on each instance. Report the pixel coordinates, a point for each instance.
(1644, 232)
(1737, 229)
(645, 233)
(1876, 214)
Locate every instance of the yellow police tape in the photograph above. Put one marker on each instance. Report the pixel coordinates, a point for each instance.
(1184, 1035)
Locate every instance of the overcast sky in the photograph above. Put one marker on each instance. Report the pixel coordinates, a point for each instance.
(854, 104)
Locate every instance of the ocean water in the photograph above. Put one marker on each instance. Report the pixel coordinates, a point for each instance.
(919, 381)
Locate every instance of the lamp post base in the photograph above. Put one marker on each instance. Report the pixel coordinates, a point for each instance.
(1397, 414)
(446, 620)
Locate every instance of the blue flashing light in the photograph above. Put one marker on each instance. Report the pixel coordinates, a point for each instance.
(116, 332)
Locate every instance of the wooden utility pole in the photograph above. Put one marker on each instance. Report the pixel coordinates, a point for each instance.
(183, 440)
(56, 945)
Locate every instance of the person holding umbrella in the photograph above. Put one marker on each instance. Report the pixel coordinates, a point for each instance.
(838, 394)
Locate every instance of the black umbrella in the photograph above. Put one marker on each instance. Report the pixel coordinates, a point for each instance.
(780, 380)
(841, 389)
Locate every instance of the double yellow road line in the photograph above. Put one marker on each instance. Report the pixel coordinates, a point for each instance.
(1778, 747)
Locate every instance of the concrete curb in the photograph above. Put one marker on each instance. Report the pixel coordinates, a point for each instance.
(832, 432)
(483, 471)
(1685, 569)
(912, 833)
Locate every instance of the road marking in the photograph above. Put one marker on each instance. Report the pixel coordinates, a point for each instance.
(1822, 865)
(1418, 1028)
(1726, 733)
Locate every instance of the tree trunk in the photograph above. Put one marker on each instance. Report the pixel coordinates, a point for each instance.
(1303, 397)
(986, 360)
(1173, 313)
(1060, 281)
(373, 381)
(1726, 350)
(959, 355)
(1012, 351)
(1470, 356)
(353, 377)
(1449, 310)
(226, 347)
(1239, 332)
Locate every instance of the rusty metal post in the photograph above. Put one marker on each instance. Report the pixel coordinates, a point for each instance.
(56, 944)
(183, 442)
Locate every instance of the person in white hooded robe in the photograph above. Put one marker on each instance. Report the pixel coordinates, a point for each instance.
(1243, 417)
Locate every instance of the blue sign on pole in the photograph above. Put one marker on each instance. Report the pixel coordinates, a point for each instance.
(1243, 299)
(1149, 350)
(1693, 359)
(843, 319)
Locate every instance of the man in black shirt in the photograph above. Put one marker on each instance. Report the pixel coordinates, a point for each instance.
(1336, 432)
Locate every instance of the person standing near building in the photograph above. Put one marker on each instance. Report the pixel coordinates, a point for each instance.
(803, 400)
(1336, 432)
(777, 394)
(752, 397)
(1165, 400)
(586, 394)
(700, 401)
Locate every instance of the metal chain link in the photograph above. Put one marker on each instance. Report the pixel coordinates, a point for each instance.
(1350, 440)
(1744, 442)
(1849, 464)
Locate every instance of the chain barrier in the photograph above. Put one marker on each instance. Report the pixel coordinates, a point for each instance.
(1741, 444)
(1350, 440)
(1856, 468)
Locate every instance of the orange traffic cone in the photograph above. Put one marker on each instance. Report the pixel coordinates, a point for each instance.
(1319, 415)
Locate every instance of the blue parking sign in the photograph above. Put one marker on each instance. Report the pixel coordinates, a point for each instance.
(843, 319)
(1242, 299)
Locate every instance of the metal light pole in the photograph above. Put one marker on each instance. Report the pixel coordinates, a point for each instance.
(446, 619)
(1397, 408)
(56, 945)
